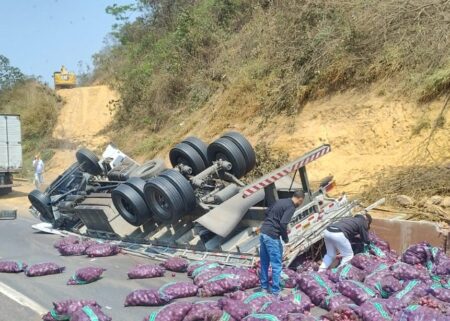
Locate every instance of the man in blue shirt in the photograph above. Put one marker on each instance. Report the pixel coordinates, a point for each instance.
(38, 166)
(273, 228)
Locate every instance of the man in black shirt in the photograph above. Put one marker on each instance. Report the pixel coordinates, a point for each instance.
(338, 234)
(271, 250)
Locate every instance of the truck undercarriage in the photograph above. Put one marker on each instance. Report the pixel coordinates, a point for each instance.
(200, 209)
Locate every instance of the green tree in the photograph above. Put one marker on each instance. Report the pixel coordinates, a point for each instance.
(9, 75)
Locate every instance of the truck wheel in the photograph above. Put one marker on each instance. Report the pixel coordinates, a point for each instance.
(246, 148)
(183, 186)
(88, 162)
(165, 201)
(200, 147)
(42, 203)
(149, 169)
(227, 150)
(130, 205)
(185, 154)
(137, 184)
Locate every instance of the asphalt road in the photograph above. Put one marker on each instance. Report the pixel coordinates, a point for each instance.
(20, 242)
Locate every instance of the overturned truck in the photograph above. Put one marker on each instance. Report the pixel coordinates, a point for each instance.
(199, 209)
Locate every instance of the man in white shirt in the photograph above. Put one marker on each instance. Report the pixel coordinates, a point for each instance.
(38, 166)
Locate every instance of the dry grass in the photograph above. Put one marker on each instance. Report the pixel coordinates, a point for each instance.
(38, 107)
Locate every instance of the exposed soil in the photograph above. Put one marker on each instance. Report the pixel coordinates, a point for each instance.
(84, 115)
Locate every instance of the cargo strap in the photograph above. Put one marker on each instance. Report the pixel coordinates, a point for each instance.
(407, 289)
(59, 317)
(382, 311)
(91, 314)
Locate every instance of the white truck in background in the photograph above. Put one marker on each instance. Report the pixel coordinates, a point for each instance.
(10, 150)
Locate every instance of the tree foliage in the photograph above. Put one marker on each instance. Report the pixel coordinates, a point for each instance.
(9, 75)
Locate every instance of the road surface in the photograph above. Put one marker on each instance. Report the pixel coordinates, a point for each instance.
(26, 298)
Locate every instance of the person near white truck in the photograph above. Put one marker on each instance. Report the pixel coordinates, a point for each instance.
(38, 166)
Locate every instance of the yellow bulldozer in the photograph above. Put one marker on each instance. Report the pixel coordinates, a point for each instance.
(64, 79)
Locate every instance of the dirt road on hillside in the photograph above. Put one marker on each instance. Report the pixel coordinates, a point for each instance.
(84, 115)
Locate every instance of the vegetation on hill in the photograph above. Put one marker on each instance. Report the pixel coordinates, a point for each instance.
(37, 106)
(178, 54)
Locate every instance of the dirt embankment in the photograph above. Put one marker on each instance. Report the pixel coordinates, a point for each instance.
(80, 123)
(368, 132)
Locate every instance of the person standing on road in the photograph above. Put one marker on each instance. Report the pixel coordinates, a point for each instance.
(338, 234)
(271, 250)
(38, 166)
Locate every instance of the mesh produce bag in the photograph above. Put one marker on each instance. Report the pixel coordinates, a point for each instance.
(67, 240)
(176, 290)
(280, 309)
(220, 285)
(172, 312)
(42, 269)
(89, 313)
(343, 313)
(334, 301)
(102, 250)
(375, 310)
(72, 249)
(403, 271)
(145, 297)
(315, 285)
(176, 264)
(301, 317)
(301, 300)
(356, 291)
(439, 292)
(421, 313)
(261, 316)
(346, 272)
(203, 268)
(201, 309)
(86, 275)
(257, 300)
(288, 278)
(12, 266)
(237, 309)
(145, 271)
(62, 309)
(203, 277)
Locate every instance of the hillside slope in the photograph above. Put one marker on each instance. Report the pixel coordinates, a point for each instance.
(369, 134)
(80, 123)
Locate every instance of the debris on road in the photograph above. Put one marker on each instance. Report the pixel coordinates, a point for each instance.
(102, 250)
(146, 271)
(12, 266)
(42, 269)
(62, 310)
(86, 275)
(145, 297)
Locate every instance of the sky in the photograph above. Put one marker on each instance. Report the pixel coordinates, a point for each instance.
(38, 36)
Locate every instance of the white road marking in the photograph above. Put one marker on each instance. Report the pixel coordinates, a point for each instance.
(22, 299)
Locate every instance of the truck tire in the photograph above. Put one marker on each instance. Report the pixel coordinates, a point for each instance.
(245, 147)
(200, 147)
(138, 184)
(185, 154)
(42, 203)
(183, 186)
(88, 162)
(227, 150)
(149, 169)
(164, 199)
(130, 205)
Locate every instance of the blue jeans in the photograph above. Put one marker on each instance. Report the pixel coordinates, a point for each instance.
(271, 253)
